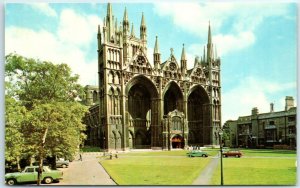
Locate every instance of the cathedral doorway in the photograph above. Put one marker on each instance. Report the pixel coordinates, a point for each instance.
(173, 98)
(198, 117)
(177, 142)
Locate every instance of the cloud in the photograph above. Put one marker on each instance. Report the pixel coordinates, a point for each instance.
(231, 43)
(77, 29)
(65, 46)
(44, 8)
(253, 92)
(239, 20)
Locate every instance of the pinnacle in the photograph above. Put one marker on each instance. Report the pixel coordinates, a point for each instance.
(156, 46)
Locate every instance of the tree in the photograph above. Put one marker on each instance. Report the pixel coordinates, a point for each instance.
(14, 140)
(54, 129)
(48, 93)
(37, 82)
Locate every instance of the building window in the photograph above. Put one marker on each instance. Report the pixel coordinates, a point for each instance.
(291, 119)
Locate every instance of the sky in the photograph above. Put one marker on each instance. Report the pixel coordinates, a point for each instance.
(256, 41)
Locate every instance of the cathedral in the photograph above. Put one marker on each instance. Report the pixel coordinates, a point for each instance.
(140, 106)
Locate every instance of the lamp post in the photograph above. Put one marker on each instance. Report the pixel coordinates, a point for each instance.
(221, 152)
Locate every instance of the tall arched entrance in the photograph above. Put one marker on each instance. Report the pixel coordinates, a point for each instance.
(173, 98)
(198, 117)
(140, 104)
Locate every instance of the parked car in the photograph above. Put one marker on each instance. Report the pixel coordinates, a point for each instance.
(30, 174)
(197, 153)
(232, 153)
(61, 162)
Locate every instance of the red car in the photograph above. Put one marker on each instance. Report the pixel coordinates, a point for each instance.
(232, 154)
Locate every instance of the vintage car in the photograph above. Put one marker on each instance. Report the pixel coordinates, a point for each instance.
(30, 174)
(197, 153)
(232, 153)
(61, 162)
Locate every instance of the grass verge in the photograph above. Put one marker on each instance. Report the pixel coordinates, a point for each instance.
(257, 171)
(155, 168)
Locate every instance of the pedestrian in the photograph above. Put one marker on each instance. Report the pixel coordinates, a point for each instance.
(80, 157)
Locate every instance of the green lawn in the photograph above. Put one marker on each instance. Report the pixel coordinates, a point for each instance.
(256, 167)
(211, 152)
(269, 152)
(155, 168)
(257, 171)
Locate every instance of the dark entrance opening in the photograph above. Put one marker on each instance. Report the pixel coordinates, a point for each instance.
(177, 142)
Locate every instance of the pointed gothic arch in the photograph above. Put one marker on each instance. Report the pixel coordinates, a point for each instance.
(198, 116)
(141, 94)
(173, 98)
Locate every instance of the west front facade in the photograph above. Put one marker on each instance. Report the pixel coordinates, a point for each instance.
(151, 105)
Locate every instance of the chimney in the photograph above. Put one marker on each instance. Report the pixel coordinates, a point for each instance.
(272, 107)
(254, 111)
(289, 102)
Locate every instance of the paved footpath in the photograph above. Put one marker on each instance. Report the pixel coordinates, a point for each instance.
(85, 172)
(205, 176)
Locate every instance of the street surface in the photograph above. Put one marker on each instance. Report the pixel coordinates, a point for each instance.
(85, 172)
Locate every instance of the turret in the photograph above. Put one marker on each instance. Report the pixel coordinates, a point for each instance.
(156, 55)
(143, 29)
(183, 61)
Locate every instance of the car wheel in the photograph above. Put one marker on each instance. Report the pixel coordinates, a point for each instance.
(48, 180)
(237, 156)
(64, 166)
(204, 155)
(11, 182)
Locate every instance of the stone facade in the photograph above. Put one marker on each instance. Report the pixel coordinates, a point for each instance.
(265, 129)
(163, 106)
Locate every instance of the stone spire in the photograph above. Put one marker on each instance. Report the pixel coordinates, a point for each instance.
(209, 34)
(183, 56)
(125, 15)
(109, 22)
(125, 23)
(156, 46)
(132, 30)
(99, 37)
(209, 45)
(183, 61)
(156, 54)
(143, 29)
